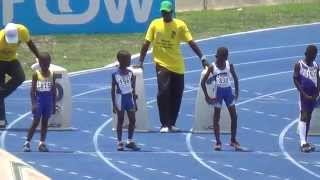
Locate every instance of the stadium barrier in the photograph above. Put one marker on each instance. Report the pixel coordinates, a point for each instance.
(142, 123)
(203, 122)
(61, 120)
(13, 168)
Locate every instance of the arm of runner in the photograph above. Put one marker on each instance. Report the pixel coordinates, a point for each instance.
(113, 96)
(236, 81)
(33, 93)
(54, 93)
(204, 87)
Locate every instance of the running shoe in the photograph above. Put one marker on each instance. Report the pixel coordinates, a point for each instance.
(132, 146)
(236, 146)
(217, 147)
(312, 147)
(164, 129)
(43, 148)
(305, 148)
(120, 146)
(26, 147)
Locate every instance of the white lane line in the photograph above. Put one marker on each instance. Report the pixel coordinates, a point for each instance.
(136, 165)
(122, 162)
(243, 169)
(286, 118)
(259, 112)
(104, 115)
(246, 128)
(287, 155)
(201, 137)
(86, 131)
(59, 169)
(183, 154)
(273, 115)
(258, 172)
(274, 176)
(50, 144)
(213, 162)
(166, 173)
(88, 177)
(304, 162)
(101, 156)
(196, 157)
(73, 173)
(4, 133)
(180, 176)
(151, 169)
(260, 131)
(43, 165)
(274, 134)
(228, 165)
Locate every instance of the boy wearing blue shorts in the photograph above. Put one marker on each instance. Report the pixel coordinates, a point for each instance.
(43, 99)
(124, 99)
(222, 71)
(306, 80)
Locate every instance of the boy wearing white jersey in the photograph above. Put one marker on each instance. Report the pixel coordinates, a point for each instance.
(306, 80)
(222, 72)
(124, 98)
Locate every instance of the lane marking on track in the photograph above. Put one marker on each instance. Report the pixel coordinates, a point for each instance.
(287, 155)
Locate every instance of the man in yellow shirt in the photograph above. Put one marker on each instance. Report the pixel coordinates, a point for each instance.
(165, 34)
(10, 39)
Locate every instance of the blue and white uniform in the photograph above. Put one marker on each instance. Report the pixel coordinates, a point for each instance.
(223, 85)
(44, 95)
(308, 82)
(124, 95)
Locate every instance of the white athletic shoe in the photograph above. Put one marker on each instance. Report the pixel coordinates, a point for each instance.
(164, 129)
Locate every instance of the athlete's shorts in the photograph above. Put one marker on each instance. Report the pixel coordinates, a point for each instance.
(125, 102)
(307, 105)
(226, 95)
(44, 105)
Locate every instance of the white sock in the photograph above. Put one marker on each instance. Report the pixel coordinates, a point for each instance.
(129, 140)
(27, 142)
(41, 142)
(302, 126)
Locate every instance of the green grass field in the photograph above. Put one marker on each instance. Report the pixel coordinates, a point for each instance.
(79, 52)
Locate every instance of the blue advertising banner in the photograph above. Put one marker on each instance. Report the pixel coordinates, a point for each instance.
(80, 16)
